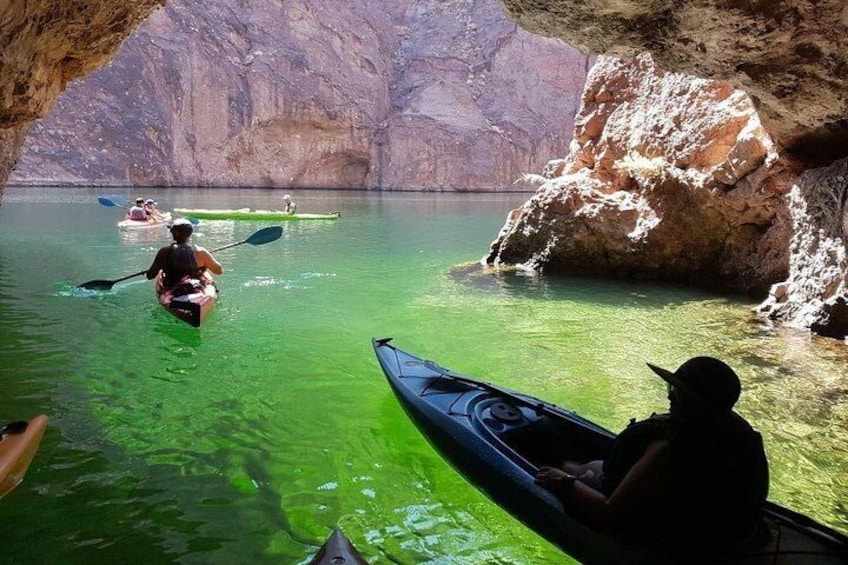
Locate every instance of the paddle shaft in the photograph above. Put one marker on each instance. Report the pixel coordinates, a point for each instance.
(265, 235)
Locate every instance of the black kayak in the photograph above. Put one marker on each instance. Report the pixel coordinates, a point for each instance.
(498, 438)
(337, 550)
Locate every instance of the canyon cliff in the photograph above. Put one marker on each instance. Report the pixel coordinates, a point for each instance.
(378, 95)
(766, 194)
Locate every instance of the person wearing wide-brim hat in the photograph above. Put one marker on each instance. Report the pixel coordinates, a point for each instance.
(182, 261)
(695, 477)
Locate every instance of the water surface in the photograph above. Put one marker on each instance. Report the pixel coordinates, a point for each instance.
(248, 440)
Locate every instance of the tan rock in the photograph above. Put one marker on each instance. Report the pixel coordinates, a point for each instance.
(790, 56)
(669, 177)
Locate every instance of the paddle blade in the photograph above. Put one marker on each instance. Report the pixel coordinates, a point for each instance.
(107, 202)
(97, 285)
(265, 235)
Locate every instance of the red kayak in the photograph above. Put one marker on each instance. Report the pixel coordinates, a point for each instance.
(190, 307)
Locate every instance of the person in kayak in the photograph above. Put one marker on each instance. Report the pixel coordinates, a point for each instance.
(137, 212)
(697, 476)
(152, 211)
(182, 263)
(291, 207)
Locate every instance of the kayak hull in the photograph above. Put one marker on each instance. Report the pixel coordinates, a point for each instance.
(248, 214)
(337, 550)
(498, 438)
(17, 451)
(132, 225)
(191, 308)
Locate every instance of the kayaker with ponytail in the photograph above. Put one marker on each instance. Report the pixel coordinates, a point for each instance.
(695, 477)
(182, 263)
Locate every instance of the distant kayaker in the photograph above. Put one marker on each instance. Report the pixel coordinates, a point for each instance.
(152, 211)
(182, 262)
(291, 207)
(697, 476)
(137, 212)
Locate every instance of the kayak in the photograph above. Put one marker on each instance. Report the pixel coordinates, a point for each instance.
(498, 438)
(18, 444)
(337, 550)
(248, 214)
(143, 224)
(190, 308)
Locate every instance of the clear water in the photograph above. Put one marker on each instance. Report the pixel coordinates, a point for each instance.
(247, 440)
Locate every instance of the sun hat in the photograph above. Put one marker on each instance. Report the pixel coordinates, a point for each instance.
(150, 201)
(710, 381)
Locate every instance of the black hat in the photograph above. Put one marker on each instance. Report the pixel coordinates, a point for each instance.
(710, 381)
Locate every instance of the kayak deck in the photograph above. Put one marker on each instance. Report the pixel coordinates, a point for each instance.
(190, 308)
(248, 214)
(17, 449)
(498, 439)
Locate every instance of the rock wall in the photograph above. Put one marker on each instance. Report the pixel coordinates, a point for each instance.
(45, 45)
(427, 95)
(790, 56)
(815, 294)
(668, 177)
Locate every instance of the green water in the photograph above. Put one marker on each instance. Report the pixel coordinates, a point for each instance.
(248, 440)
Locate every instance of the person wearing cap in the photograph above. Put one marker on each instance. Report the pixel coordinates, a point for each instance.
(694, 477)
(137, 212)
(182, 263)
(291, 207)
(152, 212)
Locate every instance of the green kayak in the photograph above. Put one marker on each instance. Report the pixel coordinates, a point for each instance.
(248, 214)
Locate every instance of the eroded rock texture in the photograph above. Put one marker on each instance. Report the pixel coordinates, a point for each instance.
(391, 95)
(45, 45)
(668, 176)
(815, 294)
(790, 56)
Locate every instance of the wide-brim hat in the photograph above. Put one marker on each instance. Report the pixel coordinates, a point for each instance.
(709, 381)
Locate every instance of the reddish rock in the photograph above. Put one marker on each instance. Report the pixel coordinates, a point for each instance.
(669, 177)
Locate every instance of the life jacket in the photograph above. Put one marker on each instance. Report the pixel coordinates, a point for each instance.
(182, 264)
(630, 446)
(723, 473)
(719, 478)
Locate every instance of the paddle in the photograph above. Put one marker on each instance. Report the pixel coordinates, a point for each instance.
(265, 235)
(109, 203)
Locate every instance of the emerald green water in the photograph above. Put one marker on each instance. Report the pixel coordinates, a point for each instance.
(247, 440)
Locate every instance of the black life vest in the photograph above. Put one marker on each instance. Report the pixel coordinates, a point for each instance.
(182, 262)
(630, 446)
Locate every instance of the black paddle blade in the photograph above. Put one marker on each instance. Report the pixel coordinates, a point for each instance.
(265, 235)
(97, 285)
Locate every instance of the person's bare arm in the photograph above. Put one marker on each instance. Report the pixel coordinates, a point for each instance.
(641, 491)
(158, 263)
(205, 259)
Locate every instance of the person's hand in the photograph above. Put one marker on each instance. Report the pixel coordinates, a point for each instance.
(553, 479)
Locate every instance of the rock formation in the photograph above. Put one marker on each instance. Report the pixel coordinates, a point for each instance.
(389, 95)
(45, 45)
(669, 177)
(790, 56)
